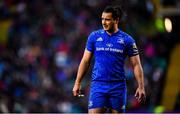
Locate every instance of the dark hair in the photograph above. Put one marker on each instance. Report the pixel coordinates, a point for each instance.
(116, 11)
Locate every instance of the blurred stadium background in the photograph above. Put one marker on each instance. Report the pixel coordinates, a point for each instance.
(42, 42)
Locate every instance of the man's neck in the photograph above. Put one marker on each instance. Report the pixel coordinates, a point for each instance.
(110, 32)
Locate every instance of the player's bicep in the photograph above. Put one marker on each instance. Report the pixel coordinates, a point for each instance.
(134, 60)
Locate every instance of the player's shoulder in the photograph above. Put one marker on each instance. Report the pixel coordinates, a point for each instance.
(126, 36)
(98, 32)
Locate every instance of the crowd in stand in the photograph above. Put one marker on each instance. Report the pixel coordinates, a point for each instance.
(44, 44)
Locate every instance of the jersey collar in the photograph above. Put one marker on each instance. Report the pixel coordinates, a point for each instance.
(112, 34)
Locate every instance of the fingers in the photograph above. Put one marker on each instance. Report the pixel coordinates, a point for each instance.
(75, 93)
(143, 98)
(76, 90)
(140, 97)
(136, 95)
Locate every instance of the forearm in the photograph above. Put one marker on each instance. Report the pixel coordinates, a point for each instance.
(83, 67)
(138, 72)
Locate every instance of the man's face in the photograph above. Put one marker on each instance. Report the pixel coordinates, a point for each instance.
(108, 21)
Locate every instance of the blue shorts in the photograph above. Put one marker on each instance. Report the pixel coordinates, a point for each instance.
(108, 95)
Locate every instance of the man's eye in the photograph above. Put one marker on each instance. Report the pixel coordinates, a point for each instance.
(105, 19)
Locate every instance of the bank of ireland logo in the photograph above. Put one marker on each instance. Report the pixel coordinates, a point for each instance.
(120, 41)
(90, 103)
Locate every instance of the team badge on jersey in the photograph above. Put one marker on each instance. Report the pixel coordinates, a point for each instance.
(135, 50)
(120, 40)
(134, 46)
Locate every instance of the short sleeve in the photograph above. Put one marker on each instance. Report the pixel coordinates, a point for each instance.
(132, 49)
(90, 42)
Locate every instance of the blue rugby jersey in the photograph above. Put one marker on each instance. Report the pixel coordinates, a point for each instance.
(110, 52)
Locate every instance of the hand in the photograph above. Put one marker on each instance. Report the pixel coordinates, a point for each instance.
(140, 94)
(76, 89)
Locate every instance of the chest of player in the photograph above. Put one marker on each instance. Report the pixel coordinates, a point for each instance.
(110, 44)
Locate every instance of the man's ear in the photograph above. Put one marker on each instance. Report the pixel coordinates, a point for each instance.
(117, 20)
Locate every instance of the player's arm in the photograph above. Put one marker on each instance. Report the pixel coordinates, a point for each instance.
(83, 68)
(138, 72)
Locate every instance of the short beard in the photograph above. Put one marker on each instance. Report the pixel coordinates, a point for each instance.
(111, 30)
